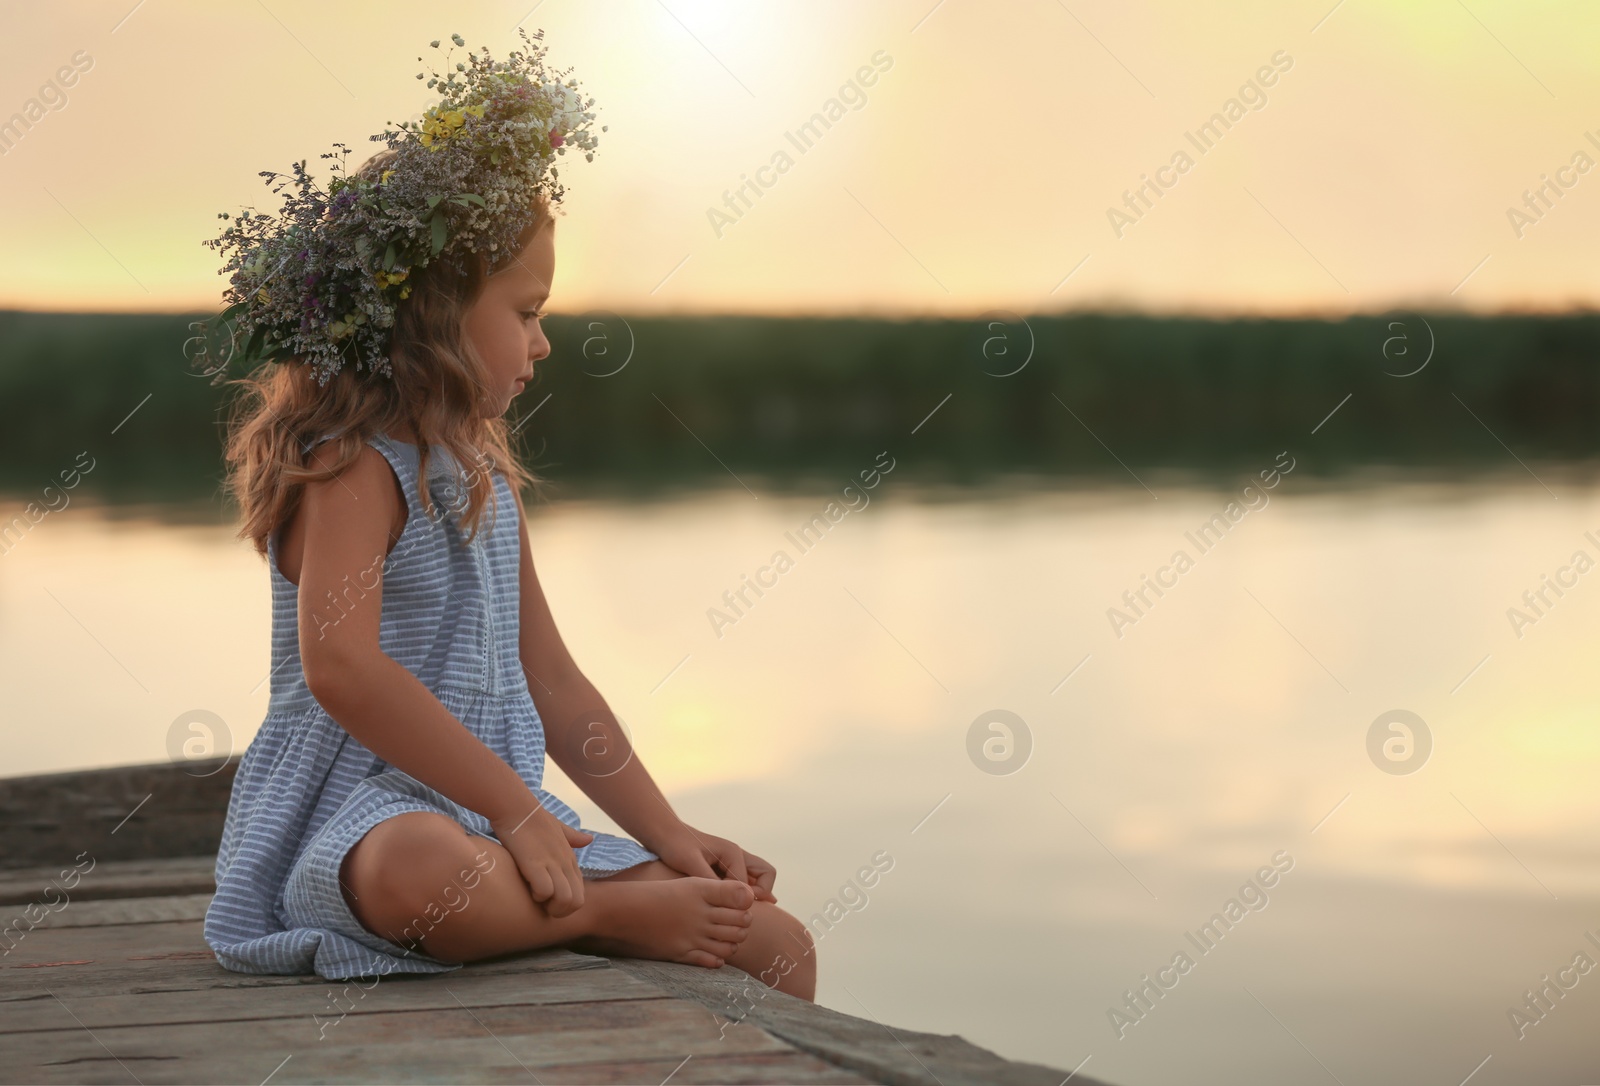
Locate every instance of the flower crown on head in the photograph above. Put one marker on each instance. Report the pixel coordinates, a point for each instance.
(322, 278)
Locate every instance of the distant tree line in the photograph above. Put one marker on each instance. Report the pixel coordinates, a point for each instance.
(644, 403)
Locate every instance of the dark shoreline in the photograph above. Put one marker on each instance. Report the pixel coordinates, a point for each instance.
(698, 401)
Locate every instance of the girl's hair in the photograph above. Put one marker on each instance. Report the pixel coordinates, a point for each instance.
(437, 385)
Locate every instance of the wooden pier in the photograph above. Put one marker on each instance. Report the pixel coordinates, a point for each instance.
(105, 978)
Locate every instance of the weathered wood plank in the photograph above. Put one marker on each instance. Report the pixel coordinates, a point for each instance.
(115, 983)
(429, 1045)
(180, 937)
(167, 966)
(109, 879)
(97, 961)
(46, 944)
(94, 914)
(787, 1068)
(125, 813)
(896, 1056)
(322, 1007)
(790, 1068)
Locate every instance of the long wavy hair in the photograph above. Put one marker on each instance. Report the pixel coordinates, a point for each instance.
(438, 383)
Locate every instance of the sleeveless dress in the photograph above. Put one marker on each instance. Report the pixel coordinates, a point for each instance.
(306, 790)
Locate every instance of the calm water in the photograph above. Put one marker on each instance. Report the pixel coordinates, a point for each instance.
(1142, 783)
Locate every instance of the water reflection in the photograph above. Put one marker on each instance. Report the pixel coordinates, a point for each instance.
(1228, 724)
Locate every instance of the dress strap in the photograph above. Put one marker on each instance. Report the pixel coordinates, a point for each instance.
(403, 458)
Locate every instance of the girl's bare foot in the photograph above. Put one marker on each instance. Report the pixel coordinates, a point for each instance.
(695, 921)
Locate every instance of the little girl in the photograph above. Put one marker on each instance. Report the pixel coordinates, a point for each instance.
(389, 815)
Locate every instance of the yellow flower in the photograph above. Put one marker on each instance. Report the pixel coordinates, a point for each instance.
(432, 127)
(384, 177)
(441, 125)
(261, 295)
(340, 328)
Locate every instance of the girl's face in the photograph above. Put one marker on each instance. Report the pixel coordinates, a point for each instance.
(503, 324)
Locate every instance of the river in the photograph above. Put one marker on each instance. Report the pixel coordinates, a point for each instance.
(1330, 728)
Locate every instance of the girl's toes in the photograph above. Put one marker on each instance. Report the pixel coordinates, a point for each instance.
(727, 933)
(701, 958)
(721, 949)
(735, 917)
(730, 894)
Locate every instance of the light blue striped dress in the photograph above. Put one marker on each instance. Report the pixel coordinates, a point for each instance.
(307, 790)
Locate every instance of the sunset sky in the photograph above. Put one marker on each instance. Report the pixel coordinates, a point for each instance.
(980, 170)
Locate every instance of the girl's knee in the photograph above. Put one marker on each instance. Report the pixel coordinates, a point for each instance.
(780, 920)
(410, 871)
(779, 951)
(780, 934)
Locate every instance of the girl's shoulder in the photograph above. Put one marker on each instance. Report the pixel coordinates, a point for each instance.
(401, 455)
(375, 479)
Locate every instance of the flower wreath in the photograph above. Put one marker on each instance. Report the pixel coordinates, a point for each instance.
(322, 278)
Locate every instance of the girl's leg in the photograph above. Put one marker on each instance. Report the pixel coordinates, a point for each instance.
(420, 880)
(778, 951)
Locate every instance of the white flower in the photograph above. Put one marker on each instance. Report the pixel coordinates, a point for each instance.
(562, 98)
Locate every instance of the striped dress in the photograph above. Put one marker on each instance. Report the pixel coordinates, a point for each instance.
(306, 790)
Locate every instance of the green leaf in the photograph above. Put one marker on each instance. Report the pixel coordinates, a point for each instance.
(433, 202)
(441, 233)
(471, 198)
(388, 258)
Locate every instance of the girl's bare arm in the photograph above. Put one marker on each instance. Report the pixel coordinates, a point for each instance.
(581, 733)
(383, 705)
(583, 738)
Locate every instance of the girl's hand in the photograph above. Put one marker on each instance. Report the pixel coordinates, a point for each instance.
(542, 845)
(708, 856)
